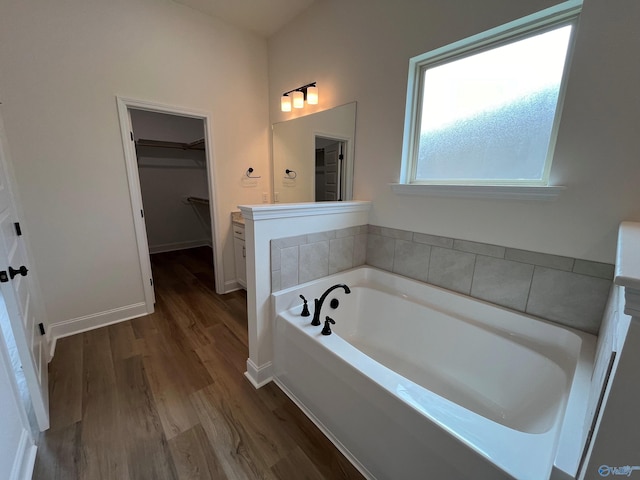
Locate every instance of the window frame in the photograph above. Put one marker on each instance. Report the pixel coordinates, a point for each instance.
(566, 13)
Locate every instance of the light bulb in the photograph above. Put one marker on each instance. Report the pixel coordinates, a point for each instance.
(312, 95)
(285, 103)
(298, 99)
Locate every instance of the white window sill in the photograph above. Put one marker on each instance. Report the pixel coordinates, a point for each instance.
(505, 192)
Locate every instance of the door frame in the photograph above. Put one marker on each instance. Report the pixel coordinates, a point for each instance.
(346, 165)
(124, 105)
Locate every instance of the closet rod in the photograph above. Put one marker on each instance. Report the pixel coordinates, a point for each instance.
(197, 145)
(202, 201)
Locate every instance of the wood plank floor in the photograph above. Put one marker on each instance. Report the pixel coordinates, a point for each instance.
(164, 396)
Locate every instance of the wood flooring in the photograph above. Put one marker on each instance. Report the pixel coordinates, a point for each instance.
(164, 396)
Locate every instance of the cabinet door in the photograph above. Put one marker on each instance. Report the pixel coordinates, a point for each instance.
(241, 261)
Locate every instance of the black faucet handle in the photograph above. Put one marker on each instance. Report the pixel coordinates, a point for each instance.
(327, 325)
(305, 307)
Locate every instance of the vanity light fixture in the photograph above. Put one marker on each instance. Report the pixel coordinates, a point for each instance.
(297, 97)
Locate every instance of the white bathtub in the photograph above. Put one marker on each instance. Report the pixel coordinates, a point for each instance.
(421, 382)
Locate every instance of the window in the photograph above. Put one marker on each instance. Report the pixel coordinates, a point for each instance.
(484, 111)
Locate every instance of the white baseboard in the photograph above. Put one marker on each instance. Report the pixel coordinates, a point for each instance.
(259, 376)
(52, 348)
(25, 458)
(327, 433)
(95, 320)
(170, 247)
(232, 286)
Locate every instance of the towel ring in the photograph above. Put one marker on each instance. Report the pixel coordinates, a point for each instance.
(289, 172)
(249, 172)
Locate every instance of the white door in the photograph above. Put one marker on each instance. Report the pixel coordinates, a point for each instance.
(15, 290)
(141, 224)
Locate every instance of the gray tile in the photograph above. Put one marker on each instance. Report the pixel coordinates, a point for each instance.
(290, 241)
(568, 298)
(541, 259)
(321, 236)
(275, 257)
(276, 283)
(360, 249)
(289, 267)
(594, 269)
(380, 251)
(362, 229)
(395, 233)
(314, 261)
(411, 259)
(502, 282)
(479, 248)
(434, 240)
(374, 229)
(340, 254)
(451, 269)
(347, 232)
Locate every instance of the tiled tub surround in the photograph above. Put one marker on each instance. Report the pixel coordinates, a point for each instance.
(565, 290)
(296, 260)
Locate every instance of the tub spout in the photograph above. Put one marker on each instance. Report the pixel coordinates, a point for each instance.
(318, 303)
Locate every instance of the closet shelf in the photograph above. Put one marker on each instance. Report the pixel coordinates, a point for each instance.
(197, 145)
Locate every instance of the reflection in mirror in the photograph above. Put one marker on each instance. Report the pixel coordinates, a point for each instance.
(313, 156)
(329, 169)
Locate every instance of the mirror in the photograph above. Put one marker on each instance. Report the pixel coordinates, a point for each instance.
(313, 156)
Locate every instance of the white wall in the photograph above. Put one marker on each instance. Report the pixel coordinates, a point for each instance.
(171, 222)
(360, 50)
(63, 63)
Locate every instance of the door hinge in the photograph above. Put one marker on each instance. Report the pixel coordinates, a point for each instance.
(341, 157)
(18, 229)
(151, 282)
(41, 327)
(131, 133)
(4, 277)
(142, 213)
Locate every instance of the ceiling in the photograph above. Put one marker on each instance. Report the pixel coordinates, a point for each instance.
(264, 17)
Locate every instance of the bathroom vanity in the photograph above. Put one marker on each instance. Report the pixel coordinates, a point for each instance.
(239, 250)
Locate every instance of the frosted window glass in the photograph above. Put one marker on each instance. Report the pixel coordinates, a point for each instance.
(489, 116)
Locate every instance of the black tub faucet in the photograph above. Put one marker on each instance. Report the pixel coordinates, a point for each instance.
(318, 303)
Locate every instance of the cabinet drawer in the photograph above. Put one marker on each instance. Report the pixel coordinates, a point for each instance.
(238, 231)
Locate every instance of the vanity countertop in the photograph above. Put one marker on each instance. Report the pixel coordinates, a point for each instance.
(237, 218)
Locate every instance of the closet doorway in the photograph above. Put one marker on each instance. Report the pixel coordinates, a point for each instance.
(171, 183)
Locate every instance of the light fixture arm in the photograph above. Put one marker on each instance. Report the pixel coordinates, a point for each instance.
(302, 89)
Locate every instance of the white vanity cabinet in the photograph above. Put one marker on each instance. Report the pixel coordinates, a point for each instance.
(240, 253)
